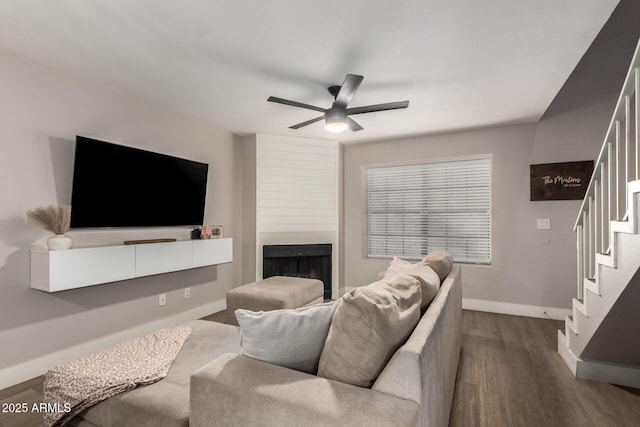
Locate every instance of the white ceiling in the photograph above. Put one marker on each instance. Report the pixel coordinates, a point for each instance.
(461, 63)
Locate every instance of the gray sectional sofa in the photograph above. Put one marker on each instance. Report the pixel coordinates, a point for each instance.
(211, 384)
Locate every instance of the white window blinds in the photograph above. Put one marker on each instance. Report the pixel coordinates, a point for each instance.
(419, 208)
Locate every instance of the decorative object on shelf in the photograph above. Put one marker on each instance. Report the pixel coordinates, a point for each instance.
(59, 242)
(147, 241)
(205, 233)
(216, 232)
(560, 181)
(195, 234)
(56, 219)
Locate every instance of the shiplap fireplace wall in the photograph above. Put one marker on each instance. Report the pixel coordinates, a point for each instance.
(294, 184)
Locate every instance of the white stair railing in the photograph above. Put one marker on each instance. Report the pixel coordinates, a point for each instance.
(618, 164)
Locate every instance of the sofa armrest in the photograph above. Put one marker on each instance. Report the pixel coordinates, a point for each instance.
(237, 390)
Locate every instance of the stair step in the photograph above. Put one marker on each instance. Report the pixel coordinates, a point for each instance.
(606, 259)
(622, 227)
(562, 339)
(579, 305)
(570, 324)
(565, 352)
(592, 286)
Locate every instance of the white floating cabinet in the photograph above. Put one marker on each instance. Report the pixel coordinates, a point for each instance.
(205, 253)
(53, 271)
(158, 258)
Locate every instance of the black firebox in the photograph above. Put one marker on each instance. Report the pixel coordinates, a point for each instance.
(310, 260)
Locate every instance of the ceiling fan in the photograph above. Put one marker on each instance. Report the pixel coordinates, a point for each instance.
(337, 117)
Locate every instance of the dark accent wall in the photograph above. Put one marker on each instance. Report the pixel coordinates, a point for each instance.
(602, 69)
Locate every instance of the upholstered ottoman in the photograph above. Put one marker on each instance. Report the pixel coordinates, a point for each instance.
(274, 293)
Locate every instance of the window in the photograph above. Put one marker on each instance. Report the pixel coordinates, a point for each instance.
(415, 209)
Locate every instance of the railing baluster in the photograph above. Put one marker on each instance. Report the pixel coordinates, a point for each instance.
(580, 256)
(637, 119)
(610, 181)
(585, 243)
(627, 148)
(596, 218)
(604, 236)
(590, 240)
(617, 170)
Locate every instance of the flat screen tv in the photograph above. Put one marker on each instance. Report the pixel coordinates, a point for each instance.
(118, 186)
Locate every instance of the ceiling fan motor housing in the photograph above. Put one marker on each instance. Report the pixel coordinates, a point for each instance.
(336, 117)
(336, 113)
(334, 91)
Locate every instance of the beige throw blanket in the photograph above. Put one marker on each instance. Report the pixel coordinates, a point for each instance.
(79, 384)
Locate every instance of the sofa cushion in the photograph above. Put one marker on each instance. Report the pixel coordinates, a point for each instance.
(396, 265)
(440, 261)
(367, 328)
(429, 280)
(166, 403)
(292, 338)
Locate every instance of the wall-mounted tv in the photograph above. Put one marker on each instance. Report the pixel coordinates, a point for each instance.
(119, 186)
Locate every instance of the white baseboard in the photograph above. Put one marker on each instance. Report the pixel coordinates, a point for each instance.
(516, 309)
(35, 367)
(628, 376)
(567, 355)
(554, 313)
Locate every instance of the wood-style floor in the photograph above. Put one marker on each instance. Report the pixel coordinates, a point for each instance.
(510, 375)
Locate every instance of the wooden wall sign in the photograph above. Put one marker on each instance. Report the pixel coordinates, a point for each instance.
(560, 181)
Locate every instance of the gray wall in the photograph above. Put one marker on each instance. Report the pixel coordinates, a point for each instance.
(42, 111)
(247, 146)
(529, 266)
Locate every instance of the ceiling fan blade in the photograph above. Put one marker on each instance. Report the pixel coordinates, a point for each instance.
(348, 88)
(378, 107)
(353, 125)
(295, 104)
(308, 122)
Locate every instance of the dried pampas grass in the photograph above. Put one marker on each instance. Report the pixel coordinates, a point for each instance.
(56, 219)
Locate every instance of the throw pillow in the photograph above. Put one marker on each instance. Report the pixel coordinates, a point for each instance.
(292, 338)
(397, 265)
(440, 261)
(429, 280)
(370, 324)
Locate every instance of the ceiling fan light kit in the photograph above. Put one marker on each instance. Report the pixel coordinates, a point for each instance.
(336, 120)
(337, 117)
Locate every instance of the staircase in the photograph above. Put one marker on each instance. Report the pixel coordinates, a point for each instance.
(600, 340)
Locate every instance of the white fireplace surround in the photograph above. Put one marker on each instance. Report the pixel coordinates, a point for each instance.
(296, 195)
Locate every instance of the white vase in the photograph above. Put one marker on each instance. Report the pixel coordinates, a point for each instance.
(59, 241)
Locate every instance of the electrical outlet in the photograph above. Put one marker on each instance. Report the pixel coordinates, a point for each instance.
(187, 292)
(162, 300)
(544, 224)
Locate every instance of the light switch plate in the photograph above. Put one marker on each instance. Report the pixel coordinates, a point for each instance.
(162, 300)
(544, 224)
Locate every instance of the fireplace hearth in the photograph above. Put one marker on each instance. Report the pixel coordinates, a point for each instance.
(311, 261)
